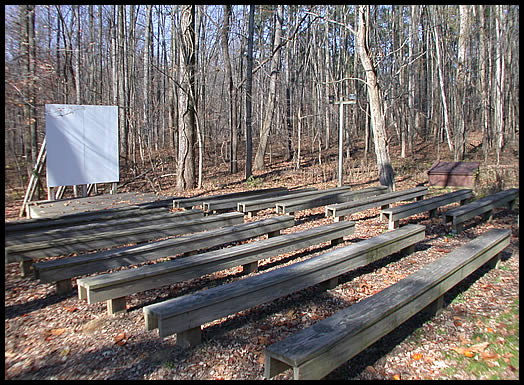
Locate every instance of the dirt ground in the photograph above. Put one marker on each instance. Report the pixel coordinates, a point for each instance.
(60, 337)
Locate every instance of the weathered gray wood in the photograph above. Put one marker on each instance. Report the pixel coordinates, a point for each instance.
(121, 283)
(314, 352)
(37, 224)
(394, 214)
(114, 238)
(232, 203)
(189, 311)
(282, 203)
(347, 208)
(482, 206)
(50, 271)
(252, 206)
(197, 201)
(80, 229)
(327, 198)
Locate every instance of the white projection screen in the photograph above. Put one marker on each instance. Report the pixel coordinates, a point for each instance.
(82, 144)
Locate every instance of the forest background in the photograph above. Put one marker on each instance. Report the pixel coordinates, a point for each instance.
(202, 85)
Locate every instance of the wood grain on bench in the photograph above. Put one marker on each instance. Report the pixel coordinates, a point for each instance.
(314, 352)
(185, 315)
(112, 287)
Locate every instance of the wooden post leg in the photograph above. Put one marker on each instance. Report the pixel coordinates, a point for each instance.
(251, 214)
(340, 218)
(433, 213)
(25, 267)
(116, 305)
(382, 216)
(488, 217)
(408, 250)
(250, 267)
(64, 286)
(190, 337)
(337, 241)
(272, 234)
(329, 284)
(435, 307)
(457, 228)
(393, 225)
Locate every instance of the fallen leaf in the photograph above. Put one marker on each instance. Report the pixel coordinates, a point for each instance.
(120, 338)
(479, 347)
(65, 351)
(416, 356)
(261, 359)
(463, 351)
(290, 313)
(70, 309)
(57, 332)
(397, 377)
(489, 356)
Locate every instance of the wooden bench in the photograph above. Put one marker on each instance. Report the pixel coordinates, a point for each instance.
(26, 253)
(483, 207)
(340, 210)
(290, 207)
(314, 352)
(115, 286)
(191, 202)
(253, 206)
(62, 270)
(44, 224)
(99, 226)
(223, 205)
(394, 214)
(185, 315)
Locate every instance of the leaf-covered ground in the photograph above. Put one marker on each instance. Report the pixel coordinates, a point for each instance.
(474, 337)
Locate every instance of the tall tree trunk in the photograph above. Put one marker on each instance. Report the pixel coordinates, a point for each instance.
(249, 87)
(186, 101)
(270, 107)
(440, 65)
(146, 90)
(460, 88)
(385, 169)
(224, 32)
(499, 79)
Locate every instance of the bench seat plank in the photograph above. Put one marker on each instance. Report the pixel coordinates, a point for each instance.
(192, 310)
(403, 211)
(326, 199)
(97, 227)
(197, 200)
(317, 350)
(122, 283)
(347, 208)
(51, 271)
(43, 224)
(252, 206)
(232, 203)
(104, 239)
(479, 207)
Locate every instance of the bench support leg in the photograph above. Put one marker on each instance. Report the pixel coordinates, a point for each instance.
(382, 216)
(272, 367)
(338, 219)
(272, 234)
(511, 204)
(457, 228)
(151, 321)
(408, 250)
(488, 217)
(337, 241)
(329, 284)
(82, 292)
(435, 307)
(190, 337)
(250, 267)
(494, 262)
(116, 305)
(432, 213)
(393, 225)
(25, 268)
(64, 286)
(251, 214)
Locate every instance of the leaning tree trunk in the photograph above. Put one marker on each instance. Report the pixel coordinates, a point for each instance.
(186, 102)
(268, 117)
(386, 175)
(249, 84)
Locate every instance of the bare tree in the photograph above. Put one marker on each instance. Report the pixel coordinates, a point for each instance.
(385, 169)
(271, 96)
(249, 88)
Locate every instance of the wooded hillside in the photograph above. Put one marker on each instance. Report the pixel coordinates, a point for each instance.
(204, 84)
